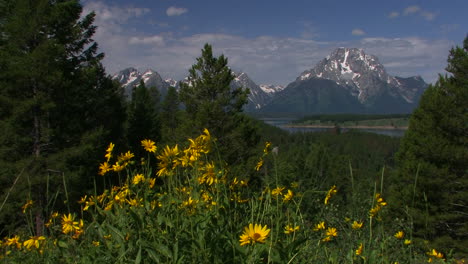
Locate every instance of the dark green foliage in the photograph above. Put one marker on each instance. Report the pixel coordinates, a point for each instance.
(433, 159)
(143, 117)
(57, 106)
(170, 115)
(211, 103)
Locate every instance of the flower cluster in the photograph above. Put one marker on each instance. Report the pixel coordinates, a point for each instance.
(378, 205)
(330, 193)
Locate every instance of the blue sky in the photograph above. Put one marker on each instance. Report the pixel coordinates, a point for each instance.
(274, 41)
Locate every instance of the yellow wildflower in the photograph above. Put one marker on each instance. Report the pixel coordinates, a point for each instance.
(288, 196)
(356, 225)
(68, 224)
(330, 193)
(277, 191)
(152, 181)
(407, 242)
(319, 226)
(266, 150)
(96, 243)
(209, 175)
(149, 145)
(254, 233)
(28, 204)
(167, 161)
(109, 151)
(436, 254)
(291, 229)
(359, 250)
(138, 178)
(259, 164)
(14, 241)
(399, 234)
(33, 242)
(104, 167)
(331, 232)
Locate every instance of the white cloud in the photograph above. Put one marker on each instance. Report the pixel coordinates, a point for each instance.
(157, 40)
(113, 14)
(411, 10)
(358, 32)
(176, 11)
(394, 14)
(416, 10)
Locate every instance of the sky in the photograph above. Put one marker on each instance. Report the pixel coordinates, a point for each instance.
(275, 41)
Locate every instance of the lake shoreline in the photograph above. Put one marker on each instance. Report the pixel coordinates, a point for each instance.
(347, 127)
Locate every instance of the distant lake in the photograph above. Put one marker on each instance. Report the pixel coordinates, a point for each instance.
(283, 124)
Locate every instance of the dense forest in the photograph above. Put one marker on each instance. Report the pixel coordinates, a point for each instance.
(88, 175)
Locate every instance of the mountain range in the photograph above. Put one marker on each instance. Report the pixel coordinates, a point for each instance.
(346, 81)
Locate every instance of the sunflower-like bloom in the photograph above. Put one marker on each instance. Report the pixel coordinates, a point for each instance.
(28, 204)
(330, 193)
(288, 196)
(356, 225)
(254, 233)
(359, 250)
(209, 175)
(167, 161)
(407, 242)
(138, 178)
(435, 253)
(331, 232)
(14, 241)
(319, 226)
(291, 229)
(267, 148)
(399, 234)
(149, 145)
(125, 157)
(259, 164)
(277, 191)
(69, 224)
(33, 242)
(109, 149)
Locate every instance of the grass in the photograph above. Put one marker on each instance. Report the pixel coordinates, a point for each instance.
(184, 206)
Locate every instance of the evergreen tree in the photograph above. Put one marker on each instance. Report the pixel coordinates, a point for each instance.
(143, 114)
(58, 108)
(433, 157)
(211, 103)
(170, 115)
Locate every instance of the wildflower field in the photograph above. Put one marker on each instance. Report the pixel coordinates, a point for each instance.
(184, 205)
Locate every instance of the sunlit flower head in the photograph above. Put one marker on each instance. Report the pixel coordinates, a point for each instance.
(277, 191)
(399, 234)
(125, 157)
(254, 233)
(69, 224)
(138, 178)
(104, 168)
(289, 229)
(109, 151)
(14, 241)
(330, 193)
(359, 250)
(267, 148)
(407, 242)
(259, 164)
(33, 241)
(288, 196)
(435, 253)
(149, 145)
(356, 225)
(27, 205)
(332, 232)
(319, 226)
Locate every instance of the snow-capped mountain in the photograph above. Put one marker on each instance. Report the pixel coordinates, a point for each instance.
(348, 81)
(362, 75)
(171, 82)
(257, 97)
(131, 77)
(271, 89)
